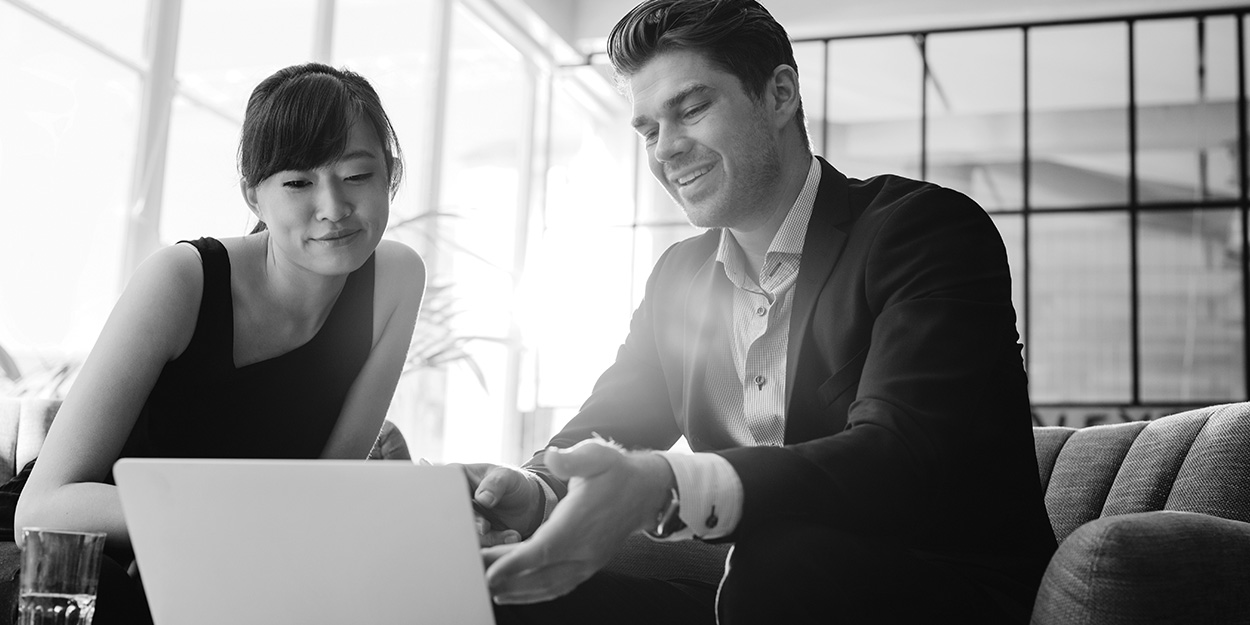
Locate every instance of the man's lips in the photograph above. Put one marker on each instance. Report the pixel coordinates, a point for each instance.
(690, 176)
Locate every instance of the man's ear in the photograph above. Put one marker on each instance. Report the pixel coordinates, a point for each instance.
(784, 88)
(249, 196)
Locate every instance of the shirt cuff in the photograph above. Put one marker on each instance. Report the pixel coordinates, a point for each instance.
(710, 492)
(549, 495)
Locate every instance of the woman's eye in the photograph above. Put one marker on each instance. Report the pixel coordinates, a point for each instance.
(361, 177)
(296, 184)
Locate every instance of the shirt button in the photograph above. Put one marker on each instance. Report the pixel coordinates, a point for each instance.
(759, 382)
(761, 311)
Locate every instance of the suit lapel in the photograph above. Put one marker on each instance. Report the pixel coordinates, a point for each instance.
(826, 237)
(707, 305)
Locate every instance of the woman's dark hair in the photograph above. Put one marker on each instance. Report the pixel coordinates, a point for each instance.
(739, 36)
(299, 119)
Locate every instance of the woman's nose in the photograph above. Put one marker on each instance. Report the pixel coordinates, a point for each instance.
(333, 204)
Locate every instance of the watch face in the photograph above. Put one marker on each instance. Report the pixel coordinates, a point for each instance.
(668, 521)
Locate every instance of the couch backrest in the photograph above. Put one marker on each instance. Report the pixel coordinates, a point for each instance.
(1196, 461)
(24, 423)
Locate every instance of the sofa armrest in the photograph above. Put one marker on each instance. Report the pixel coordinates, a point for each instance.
(1146, 568)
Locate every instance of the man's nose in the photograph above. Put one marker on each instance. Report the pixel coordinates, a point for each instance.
(671, 144)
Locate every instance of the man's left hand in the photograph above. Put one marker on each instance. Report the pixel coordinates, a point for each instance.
(612, 493)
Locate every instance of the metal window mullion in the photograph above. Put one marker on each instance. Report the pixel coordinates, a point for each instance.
(826, 125)
(534, 141)
(1204, 190)
(1243, 150)
(1026, 169)
(323, 32)
(922, 42)
(430, 161)
(148, 177)
(634, 235)
(1134, 279)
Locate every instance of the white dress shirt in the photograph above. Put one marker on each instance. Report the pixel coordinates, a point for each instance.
(710, 491)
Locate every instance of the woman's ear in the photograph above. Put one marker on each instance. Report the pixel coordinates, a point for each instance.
(249, 196)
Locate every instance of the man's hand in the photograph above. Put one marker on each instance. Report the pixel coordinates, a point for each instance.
(612, 494)
(511, 496)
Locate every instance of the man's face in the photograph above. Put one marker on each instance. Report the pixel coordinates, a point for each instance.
(710, 144)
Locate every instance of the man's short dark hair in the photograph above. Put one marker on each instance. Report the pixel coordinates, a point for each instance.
(739, 36)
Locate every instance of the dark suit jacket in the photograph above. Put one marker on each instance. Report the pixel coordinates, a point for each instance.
(908, 411)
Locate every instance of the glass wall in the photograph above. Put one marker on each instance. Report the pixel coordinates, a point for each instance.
(67, 150)
(1111, 156)
(472, 99)
(1109, 153)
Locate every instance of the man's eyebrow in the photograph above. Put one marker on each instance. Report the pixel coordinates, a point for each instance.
(673, 102)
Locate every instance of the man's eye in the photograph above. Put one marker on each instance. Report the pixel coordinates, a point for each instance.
(296, 184)
(360, 177)
(694, 111)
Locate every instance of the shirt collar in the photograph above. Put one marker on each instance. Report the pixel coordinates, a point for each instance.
(789, 237)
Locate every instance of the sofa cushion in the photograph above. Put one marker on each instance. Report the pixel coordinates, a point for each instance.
(1215, 477)
(1084, 470)
(1194, 461)
(1149, 568)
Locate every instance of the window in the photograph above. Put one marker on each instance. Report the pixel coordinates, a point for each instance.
(66, 154)
(1110, 155)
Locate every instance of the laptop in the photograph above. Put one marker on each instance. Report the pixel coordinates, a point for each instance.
(303, 541)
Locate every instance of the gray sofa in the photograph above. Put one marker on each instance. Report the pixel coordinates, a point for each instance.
(1152, 519)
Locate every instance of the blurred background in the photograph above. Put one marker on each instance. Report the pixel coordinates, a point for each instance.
(1107, 138)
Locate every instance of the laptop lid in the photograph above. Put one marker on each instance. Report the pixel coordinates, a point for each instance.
(303, 541)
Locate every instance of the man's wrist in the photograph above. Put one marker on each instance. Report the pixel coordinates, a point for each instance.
(547, 500)
(663, 506)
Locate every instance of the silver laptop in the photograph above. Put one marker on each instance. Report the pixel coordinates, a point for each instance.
(306, 541)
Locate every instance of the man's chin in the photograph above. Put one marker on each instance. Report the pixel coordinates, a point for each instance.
(699, 214)
(706, 217)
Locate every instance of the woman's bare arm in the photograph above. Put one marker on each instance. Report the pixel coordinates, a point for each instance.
(150, 325)
(399, 285)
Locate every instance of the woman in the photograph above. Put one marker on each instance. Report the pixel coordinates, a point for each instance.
(286, 343)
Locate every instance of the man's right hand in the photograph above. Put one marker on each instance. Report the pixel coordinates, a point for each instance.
(512, 496)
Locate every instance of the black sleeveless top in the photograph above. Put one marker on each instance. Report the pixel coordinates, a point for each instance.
(204, 407)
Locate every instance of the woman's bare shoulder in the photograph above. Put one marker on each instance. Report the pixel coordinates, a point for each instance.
(399, 267)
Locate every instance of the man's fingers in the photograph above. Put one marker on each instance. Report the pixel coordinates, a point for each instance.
(493, 553)
(587, 458)
(492, 538)
(514, 561)
(497, 483)
(542, 583)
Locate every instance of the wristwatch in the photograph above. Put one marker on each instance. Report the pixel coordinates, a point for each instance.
(668, 520)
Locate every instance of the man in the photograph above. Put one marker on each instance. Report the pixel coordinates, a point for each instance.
(841, 354)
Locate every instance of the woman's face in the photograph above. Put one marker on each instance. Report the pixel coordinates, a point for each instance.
(328, 220)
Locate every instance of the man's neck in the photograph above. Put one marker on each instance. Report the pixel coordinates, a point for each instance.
(754, 238)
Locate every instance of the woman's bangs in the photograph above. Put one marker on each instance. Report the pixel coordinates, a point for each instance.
(311, 122)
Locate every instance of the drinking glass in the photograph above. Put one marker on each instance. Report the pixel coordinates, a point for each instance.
(60, 574)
